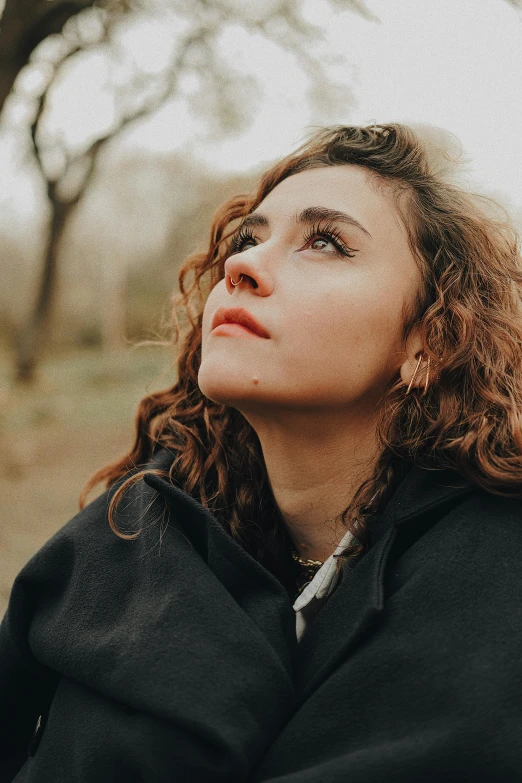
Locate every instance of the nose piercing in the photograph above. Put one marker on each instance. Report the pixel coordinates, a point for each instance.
(238, 282)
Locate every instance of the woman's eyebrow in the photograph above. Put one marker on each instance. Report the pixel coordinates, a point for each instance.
(316, 214)
(308, 216)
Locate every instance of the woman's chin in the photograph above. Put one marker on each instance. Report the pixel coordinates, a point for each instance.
(228, 383)
(227, 390)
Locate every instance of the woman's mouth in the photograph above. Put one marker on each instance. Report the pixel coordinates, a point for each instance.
(234, 330)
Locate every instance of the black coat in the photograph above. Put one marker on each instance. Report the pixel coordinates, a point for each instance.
(176, 660)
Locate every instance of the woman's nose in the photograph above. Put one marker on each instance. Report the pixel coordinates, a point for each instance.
(242, 269)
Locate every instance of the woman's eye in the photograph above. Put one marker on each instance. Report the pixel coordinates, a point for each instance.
(327, 240)
(325, 243)
(240, 242)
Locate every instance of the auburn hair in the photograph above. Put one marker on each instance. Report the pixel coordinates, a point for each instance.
(468, 309)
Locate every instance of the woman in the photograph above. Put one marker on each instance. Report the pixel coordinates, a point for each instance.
(307, 568)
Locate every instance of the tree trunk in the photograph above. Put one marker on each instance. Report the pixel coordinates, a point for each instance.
(31, 336)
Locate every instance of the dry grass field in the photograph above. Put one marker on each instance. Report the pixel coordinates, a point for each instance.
(78, 416)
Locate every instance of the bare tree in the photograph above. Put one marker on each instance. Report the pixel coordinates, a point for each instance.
(219, 91)
(25, 23)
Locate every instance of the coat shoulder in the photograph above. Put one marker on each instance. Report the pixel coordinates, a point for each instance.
(86, 550)
(485, 524)
(466, 555)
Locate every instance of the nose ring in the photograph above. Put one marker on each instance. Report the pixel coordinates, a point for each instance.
(238, 282)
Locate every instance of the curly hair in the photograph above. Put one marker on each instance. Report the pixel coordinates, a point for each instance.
(468, 310)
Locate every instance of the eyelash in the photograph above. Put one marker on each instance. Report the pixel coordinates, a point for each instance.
(327, 231)
(333, 235)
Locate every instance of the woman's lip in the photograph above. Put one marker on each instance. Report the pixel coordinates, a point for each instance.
(240, 316)
(234, 329)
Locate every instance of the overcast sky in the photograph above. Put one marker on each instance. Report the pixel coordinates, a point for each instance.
(453, 63)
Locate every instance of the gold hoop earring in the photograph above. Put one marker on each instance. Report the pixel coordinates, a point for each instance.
(414, 374)
(427, 378)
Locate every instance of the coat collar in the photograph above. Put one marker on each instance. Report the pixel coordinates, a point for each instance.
(419, 491)
(358, 599)
(252, 586)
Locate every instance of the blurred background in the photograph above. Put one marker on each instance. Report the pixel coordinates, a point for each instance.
(124, 124)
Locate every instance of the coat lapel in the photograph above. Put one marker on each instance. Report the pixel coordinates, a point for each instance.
(352, 609)
(255, 589)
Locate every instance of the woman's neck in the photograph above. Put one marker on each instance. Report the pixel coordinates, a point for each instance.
(314, 477)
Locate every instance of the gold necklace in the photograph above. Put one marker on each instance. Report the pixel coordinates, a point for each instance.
(307, 563)
(307, 570)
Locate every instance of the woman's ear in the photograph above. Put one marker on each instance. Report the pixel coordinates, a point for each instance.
(415, 366)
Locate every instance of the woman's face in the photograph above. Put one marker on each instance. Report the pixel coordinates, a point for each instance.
(331, 292)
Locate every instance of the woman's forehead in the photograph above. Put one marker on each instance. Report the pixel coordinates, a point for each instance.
(348, 188)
